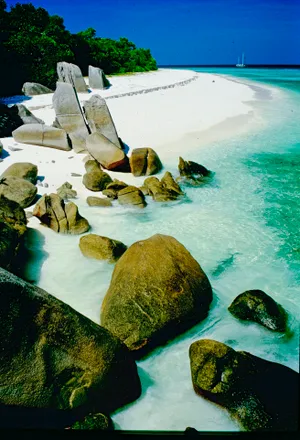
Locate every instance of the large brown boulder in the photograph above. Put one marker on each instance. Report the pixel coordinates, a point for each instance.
(144, 162)
(18, 190)
(70, 73)
(156, 292)
(69, 115)
(23, 170)
(96, 180)
(257, 306)
(63, 218)
(32, 89)
(100, 119)
(12, 229)
(131, 195)
(53, 357)
(107, 153)
(97, 78)
(101, 248)
(43, 135)
(163, 191)
(260, 394)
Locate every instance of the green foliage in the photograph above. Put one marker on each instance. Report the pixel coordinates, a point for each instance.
(32, 43)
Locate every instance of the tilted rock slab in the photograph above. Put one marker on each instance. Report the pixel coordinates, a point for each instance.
(157, 291)
(70, 73)
(144, 162)
(23, 170)
(69, 115)
(106, 153)
(63, 218)
(100, 119)
(32, 89)
(257, 306)
(97, 78)
(260, 394)
(28, 117)
(43, 135)
(18, 190)
(53, 357)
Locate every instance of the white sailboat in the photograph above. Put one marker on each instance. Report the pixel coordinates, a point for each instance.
(242, 64)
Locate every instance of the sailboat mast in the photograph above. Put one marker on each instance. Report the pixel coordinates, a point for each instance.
(238, 60)
(243, 58)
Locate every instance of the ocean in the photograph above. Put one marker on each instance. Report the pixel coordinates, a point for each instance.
(243, 229)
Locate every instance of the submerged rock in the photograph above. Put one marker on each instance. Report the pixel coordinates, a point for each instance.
(22, 170)
(157, 291)
(131, 195)
(12, 229)
(53, 213)
(32, 89)
(257, 306)
(66, 192)
(144, 162)
(53, 357)
(101, 248)
(260, 394)
(192, 173)
(18, 190)
(165, 190)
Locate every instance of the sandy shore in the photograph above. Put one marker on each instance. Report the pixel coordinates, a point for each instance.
(168, 110)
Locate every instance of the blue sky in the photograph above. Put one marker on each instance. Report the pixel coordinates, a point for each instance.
(192, 31)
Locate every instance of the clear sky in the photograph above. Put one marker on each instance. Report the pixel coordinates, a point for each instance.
(192, 31)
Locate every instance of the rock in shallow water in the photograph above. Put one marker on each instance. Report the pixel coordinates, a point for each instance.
(53, 357)
(257, 306)
(261, 395)
(144, 162)
(101, 248)
(131, 196)
(157, 291)
(98, 201)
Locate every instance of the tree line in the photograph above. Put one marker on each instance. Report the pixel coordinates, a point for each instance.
(32, 42)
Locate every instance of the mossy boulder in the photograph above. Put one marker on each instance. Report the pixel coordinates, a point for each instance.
(22, 170)
(98, 421)
(18, 190)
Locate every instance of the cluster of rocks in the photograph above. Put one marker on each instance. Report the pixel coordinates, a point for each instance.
(17, 183)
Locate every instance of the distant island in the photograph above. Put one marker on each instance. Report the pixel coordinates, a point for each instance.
(32, 42)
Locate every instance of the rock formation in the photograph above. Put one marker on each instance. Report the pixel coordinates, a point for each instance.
(156, 292)
(66, 192)
(95, 178)
(132, 196)
(69, 115)
(106, 153)
(53, 357)
(144, 162)
(257, 306)
(260, 394)
(192, 173)
(70, 73)
(32, 89)
(43, 135)
(98, 201)
(113, 188)
(53, 213)
(101, 248)
(163, 191)
(97, 78)
(26, 115)
(12, 229)
(100, 119)
(22, 170)
(19, 190)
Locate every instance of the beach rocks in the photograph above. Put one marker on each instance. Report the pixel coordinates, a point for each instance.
(192, 173)
(163, 191)
(95, 179)
(242, 383)
(101, 248)
(132, 196)
(12, 228)
(70, 73)
(26, 115)
(144, 162)
(257, 306)
(69, 115)
(100, 119)
(157, 291)
(18, 190)
(43, 135)
(98, 422)
(9, 120)
(97, 78)
(53, 213)
(98, 201)
(106, 153)
(66, 192)
(53, 357)
(22, 170)
(32, 89)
